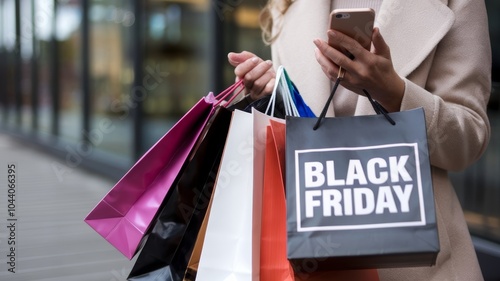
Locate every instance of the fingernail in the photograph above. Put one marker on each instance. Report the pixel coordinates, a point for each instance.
(317, 42)
(255, 59)
(316, 52)
(269, 62)
(331, 33)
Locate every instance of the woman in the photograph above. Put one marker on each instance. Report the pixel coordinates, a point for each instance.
(433, 54)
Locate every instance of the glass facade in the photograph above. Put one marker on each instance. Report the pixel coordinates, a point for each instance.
(68, 35)
(176, 63)
(9, 48)
(102, 80)
(44, 55)
(26, 55)
(111, 75)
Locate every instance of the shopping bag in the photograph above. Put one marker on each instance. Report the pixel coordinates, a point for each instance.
(302, 108)
(274, 264)
(231, 245)
(284, 100)
(268, 166)
(359, 192)
(168, 247)
(125, 213)
(194, 260)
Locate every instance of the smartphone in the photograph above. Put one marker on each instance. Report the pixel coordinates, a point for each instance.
(355, 23)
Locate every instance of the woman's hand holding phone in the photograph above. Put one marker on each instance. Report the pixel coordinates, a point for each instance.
(364, 69)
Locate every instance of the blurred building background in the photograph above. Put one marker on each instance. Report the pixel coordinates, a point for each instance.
(97, 82)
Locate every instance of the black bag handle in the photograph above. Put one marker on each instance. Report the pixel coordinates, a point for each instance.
(379, 109)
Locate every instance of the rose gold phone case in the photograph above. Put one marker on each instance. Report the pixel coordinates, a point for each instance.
(356, 23)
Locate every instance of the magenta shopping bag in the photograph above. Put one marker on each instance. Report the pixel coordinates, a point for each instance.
(125, 213)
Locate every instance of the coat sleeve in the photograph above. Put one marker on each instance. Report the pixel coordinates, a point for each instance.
(457, 90)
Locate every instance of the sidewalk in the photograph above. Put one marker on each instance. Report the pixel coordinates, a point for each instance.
(52, 242)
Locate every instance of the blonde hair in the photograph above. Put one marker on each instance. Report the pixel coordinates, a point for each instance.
(266, 18)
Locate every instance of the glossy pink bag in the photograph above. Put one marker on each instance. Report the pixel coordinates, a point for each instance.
(125, 213)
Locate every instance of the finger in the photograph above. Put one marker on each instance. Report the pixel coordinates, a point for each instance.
(329, 68)
(270, 85)
(347, 44)
(332, 71)
(380, 46)
(257, 69)
(246, 66)
(236, 58)
(263, 85)
(330, 59)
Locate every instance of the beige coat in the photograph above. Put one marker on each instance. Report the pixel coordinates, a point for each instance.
(441, 48)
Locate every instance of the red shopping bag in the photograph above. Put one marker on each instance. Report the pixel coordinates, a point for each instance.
(126, 212)
(274, 264)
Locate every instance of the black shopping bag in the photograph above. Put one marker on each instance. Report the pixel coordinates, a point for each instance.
(359, 192)
(168, 248)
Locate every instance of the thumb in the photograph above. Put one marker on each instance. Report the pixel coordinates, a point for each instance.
(236, 58)
(380, 47)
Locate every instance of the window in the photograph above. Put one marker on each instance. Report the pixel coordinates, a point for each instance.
(177, 37)
(111, 75)
(68, 36)
(8, 50)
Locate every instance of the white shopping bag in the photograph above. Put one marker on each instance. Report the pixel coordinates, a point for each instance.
(231, 249)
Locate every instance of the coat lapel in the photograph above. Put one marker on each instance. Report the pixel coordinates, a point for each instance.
(412, 29)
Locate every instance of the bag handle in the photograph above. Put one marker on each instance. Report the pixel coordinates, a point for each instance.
(227, 92)
(272, 100)
(289, 91)
(290, 107)
(379, 109)
(282, 80)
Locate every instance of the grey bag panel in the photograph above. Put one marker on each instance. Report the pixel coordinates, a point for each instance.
(364, 188)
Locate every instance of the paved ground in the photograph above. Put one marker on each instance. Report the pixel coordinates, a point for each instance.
(52, 242)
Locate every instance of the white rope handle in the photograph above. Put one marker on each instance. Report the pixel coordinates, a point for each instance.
(282, 83)
(272, 100)
(288, 96)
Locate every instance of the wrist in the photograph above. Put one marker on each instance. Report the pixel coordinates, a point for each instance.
(394, 97)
